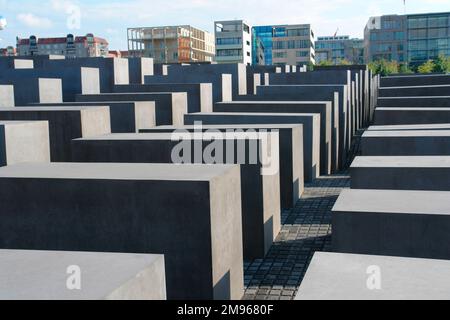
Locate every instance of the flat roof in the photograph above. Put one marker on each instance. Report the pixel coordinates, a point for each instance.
(401, 162)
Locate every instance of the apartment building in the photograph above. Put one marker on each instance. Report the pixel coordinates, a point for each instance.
(336, 49)
(171, 44)
(233, 42)
(69, 46)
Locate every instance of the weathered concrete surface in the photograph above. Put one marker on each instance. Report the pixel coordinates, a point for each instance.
(64, 124)
(401, 173)
(7, 96)
(199, 95)
(42, 275)
(406, 143)
(169, 107)
(291, 153)
(260, 193)
(311, 131)
(414, 127)
(34, 90)
(334, 93)
(409, 102)
(126, 117)
(139, 68)
(173, 210)
(293, 107)
(335, 276)
(415, 80)
(396, 116)
(415, 91)
(23, 64)
(24, 142)
(393, 223)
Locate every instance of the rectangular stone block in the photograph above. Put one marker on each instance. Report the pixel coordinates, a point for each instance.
(126, 117)
(293, 107)
(409, 102)
(34, 90)
(64, 124)
(139, 68)
(260, 193)
(177, 211)
(311, 131)
(290, 154)
(335, 276)
(413, 127)
(334, 93)
(415, 80)
(415, 91)
(169, 107)
(42, 275)
(23, 64)
(392, 223)
(406, 143)
(398, 116)
(401, 173)
(24, 142)
(6, 96)
(199, 95)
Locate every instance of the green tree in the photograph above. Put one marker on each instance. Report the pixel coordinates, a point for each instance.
(427, 67)
(404, 68)
(325, 63)
(344, 62)
(384, 67)
(442, 64)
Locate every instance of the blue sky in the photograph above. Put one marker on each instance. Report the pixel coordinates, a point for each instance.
(110, 18)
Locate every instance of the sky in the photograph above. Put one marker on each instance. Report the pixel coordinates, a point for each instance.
(111, 18)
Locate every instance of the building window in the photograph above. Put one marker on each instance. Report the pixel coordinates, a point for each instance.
(229, 52)
(228, 41)
(280, 55)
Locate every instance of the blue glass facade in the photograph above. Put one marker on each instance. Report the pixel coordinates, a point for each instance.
(265, 34)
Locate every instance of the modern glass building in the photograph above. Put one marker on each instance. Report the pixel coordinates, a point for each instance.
(233, 42)
(285, 44)
(411, 39)
(336, 49)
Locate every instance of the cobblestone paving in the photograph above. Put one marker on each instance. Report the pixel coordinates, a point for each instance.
(306, 229)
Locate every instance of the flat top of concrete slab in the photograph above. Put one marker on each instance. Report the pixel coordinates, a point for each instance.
(277, 102)
(43, 274)
(88, 104)
(56, 108)
(406, 133)
(231, 126)
(173, 136)
(335, 276)
(114, 171)
(413, 109)
(402, 162)
(129, 93)
(394, 201)
(306, 85)
(411, 127)
(416, 97)
(417, 87)
(240, 114)
(12, 123)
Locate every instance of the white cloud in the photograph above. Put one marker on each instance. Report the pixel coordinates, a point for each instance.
(33, 21)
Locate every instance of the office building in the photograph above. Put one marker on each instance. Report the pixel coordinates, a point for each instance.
(171, 44)
(286, 44)
(70, 46)
(337, 49)
(413, 38)
(8, 52)
(233, 42)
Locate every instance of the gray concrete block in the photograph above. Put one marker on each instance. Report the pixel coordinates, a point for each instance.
(24, 142)
(324, 109)
(34, 89)
(126, 117)
(409, 127)
(139, 68)
(415, 91)
(399, 116)
(335, 276)
(173, 210)
(6, 96)
(291, 154)
(415, 80)
(169, 107)
(401, 173)
(42, 275)
(409, 102)
(393, 223)
(199, 95)
(335, 93)
(406, 143)
(311, 131)
(64, 124)
(260, 193)
(23, 64)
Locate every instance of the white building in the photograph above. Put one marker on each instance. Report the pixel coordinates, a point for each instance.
(233, 42)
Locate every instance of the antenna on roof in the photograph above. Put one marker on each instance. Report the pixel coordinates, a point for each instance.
(336, 33)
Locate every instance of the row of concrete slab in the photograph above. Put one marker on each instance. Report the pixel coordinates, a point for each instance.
(93, 170)
(391, 229)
